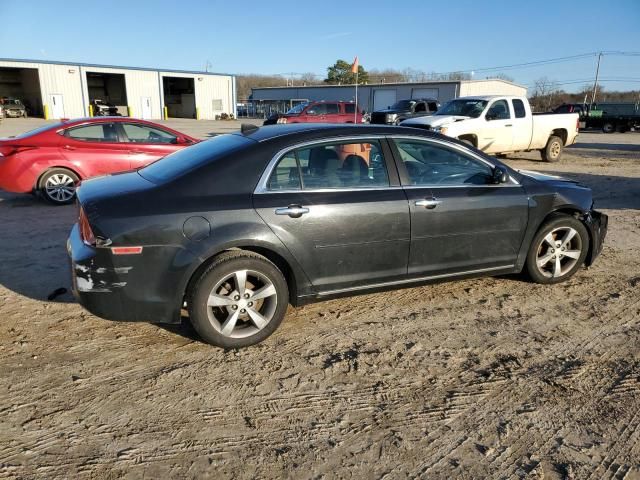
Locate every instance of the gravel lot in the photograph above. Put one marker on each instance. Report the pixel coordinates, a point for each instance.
(494, 377)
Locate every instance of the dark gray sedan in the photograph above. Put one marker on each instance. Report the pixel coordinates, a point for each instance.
(236, 228)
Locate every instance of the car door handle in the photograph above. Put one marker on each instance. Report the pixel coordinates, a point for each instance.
(294, 211)
(429, 203)
(509, 125)
(69, 147)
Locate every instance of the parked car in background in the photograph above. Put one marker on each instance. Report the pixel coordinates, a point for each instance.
(319, 112)
(608, 116)
(404, 109)
(237, 227)
(502, 124)
(103, 109)
(13, 108)
(52, 159)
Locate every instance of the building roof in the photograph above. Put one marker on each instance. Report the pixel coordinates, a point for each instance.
(394, 84)
(96, 65)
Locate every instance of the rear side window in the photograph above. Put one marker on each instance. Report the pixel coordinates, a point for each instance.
(331, 165)
(188, 159)
(102, 132)
(518, 108)
(332, 108)
(420, 107)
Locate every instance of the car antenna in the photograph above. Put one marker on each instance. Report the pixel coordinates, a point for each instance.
(248, 128)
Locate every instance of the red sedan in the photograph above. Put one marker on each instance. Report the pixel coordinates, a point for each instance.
(52, 159)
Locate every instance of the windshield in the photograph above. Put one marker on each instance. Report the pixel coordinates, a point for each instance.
(13, 101)
(297, 109)
(403, 105)
(188, 159)
(463, 108)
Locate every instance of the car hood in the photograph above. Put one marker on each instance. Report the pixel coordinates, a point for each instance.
(435, 120)
(550, 179)
(392, 110)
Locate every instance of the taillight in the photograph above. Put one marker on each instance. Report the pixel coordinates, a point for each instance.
(7, 150)
(85, 229)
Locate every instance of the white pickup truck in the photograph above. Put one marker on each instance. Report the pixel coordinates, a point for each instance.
(502, 124)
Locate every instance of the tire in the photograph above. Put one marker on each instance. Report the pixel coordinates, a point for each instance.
(251, 322)
(543, 263)
(553, 151)
(608, 127)
(58, 186)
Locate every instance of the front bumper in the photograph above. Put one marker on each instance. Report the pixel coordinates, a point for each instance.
(129, 288)
(597, 223)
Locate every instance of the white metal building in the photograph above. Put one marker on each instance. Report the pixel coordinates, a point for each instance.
(66, 90)
(377, 96)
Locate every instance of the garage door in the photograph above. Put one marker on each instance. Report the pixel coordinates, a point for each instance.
(424, 93)
(383, 98)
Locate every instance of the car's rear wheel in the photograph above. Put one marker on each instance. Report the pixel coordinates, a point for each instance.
(557, 250)
(239, 300)
(553, 150)
(58, 186)
(608, 127)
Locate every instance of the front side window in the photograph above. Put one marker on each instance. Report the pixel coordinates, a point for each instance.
(317, 109)
(102, 132)
(518, 108)
(331, 165)
(499, 111)
(430, 164)
(137, 133)
(349, 108)
(433, 106)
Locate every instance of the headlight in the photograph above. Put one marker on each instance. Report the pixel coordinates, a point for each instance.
(440, 130)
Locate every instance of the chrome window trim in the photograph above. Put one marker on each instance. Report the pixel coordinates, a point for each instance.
(460, 148)
(413, 280)
(264, 179)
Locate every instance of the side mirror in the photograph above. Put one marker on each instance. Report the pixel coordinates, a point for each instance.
(490, 116)
(500, 175)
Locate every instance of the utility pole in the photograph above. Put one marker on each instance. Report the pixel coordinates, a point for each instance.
(595, 84)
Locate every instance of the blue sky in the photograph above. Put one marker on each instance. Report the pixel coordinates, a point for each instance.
(297, 36)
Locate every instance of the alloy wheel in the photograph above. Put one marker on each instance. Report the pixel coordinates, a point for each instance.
(60, 187)
(242, 304)
(558, 252)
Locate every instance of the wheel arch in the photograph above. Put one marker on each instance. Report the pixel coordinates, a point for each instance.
(270, 254)
(561, 133)
(75, 171)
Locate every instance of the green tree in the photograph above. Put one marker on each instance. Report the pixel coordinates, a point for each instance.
(340, 74)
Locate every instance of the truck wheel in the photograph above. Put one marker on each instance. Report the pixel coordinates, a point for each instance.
(553, 150)
(608, 127)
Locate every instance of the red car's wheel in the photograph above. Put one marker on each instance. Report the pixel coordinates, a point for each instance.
(58, 186)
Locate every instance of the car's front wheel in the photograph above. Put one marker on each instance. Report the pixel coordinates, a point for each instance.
(239, 300)
(558, 250)
(58, 186)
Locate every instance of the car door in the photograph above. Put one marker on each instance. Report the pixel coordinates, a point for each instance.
(460, 220)
(316, 113)
(95, 148)
(333, 114)
(146, 144)
(497, 128)
(346, 221)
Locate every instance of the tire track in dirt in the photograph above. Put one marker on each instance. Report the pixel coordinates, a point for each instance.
(517, 392)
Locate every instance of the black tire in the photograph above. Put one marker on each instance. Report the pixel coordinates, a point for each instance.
(608, 127)
(539, 250)
(208, 320)
(553, 150)
(47, 186)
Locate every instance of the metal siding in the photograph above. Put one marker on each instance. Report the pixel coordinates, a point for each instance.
(491, 87)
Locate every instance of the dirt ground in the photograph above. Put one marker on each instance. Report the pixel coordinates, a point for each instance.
(494, 377)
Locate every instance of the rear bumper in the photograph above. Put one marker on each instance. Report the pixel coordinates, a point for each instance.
(129, 288)
(597, 223)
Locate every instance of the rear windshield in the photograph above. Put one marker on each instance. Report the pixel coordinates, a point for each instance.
(36, 131)
(190, 158)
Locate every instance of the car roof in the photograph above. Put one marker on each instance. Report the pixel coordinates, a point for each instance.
(74, 121)
(268, 132)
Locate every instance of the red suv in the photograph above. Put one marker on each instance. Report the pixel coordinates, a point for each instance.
(319, 112)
